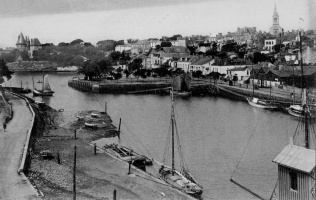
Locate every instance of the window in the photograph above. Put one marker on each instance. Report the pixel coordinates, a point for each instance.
(293, 180)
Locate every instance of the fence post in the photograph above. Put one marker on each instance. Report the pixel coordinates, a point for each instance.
(114, 194)
(74, 173)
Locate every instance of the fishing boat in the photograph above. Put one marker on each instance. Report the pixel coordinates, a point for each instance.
(182, 179)
(46, 90)
(259, 103)
(181, 85)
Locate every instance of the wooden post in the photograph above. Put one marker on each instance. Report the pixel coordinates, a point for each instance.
(95, 149)
(58, 158)
(129, 167)
(74, 174)
(105, 108)
(21, 84)
(114, 194)
(119, 130)
(75, 134)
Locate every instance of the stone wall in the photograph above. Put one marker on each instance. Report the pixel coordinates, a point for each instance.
(32, 66)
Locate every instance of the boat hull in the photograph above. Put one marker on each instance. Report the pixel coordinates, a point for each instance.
(181, 93)
(297, 111)
(40, 93)
(261, 104)
(179, 181)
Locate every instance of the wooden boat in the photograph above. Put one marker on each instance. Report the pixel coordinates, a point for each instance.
(46, 90)
(260, 103)
(255, 102)
(181, 85)
(181, 180)
(129, 155)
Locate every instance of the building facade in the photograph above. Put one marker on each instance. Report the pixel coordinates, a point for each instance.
(25, 44)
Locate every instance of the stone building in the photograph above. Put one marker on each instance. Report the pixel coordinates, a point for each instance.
(25, 44)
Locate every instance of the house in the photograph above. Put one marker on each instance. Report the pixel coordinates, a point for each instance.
(202, 64)
(269, 43)
(121, 48)
(242, 72)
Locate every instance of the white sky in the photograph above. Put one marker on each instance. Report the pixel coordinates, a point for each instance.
(202, 18)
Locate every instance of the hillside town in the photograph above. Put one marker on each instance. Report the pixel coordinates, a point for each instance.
(126, 118)
(231, 54)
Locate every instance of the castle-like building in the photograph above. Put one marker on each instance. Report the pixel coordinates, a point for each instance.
(276, 28)
(25, 44)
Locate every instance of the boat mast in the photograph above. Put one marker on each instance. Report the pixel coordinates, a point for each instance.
(253, 81)
(304, 99)
(172, 125)
(43, 84)
(293, 87)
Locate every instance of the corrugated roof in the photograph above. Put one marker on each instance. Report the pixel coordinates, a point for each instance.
(296, 157)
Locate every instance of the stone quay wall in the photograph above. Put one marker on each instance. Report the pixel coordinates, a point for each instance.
(87, 86)
(32, 66)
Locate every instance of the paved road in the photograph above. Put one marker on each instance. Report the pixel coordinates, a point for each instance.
(12, 185)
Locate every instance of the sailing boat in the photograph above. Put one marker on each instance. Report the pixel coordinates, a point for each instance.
(46, 90)
(181, 85)
(297, 110)
(182, 180)
(259, 103)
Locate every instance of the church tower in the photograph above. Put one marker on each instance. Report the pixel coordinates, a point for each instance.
(275, 29)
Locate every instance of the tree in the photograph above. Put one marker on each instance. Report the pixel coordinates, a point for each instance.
(117, 76)
(197, 74)
(165, 44)
(158, 47)
(90, 70)
(63, 44)
(115, 55)
(105, 66)
(192, 49)
(258, 57)
(4, 70)
(143, 73)
(278, 47)
(76, 41)
(136, 64)
(127, 73)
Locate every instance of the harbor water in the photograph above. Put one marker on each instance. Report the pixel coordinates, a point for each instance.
(221, 138)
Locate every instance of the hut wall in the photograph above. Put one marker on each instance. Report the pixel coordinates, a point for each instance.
(303, 185)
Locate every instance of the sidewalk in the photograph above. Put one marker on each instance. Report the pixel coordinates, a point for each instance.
(12, 185)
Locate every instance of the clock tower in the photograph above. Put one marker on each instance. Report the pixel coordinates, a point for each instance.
(275, 29)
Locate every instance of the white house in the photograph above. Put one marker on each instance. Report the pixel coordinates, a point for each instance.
(203, 64)
(269, 43)
(222, 69)
(122, 48)
(242, 72)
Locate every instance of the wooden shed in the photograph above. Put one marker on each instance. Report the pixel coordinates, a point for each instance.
(296, 173)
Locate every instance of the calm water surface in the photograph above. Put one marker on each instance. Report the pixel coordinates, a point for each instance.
(214, 132)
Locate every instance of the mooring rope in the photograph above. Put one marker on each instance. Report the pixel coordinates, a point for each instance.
(246, 145)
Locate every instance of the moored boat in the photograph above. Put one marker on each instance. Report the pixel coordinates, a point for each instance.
(46, 90)
(182, 179)
(258, 103)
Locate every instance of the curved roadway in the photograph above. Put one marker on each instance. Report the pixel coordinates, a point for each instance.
(12, 185)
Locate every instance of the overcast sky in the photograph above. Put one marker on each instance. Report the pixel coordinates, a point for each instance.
(55, 21)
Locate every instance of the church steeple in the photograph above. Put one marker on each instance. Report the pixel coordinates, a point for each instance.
(275, 17)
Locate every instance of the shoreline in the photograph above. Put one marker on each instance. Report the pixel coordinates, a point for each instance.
(94, 181)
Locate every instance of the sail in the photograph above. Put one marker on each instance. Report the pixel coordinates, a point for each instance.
(46, 86)
(176, 83)
(304, 97)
